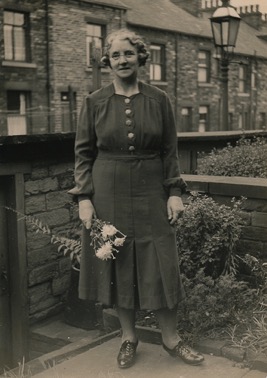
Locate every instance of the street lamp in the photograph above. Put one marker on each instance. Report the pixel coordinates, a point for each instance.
(224, 25)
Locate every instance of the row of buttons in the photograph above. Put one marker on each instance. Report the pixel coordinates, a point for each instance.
(129, 123)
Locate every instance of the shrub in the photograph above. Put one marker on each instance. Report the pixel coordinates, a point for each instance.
(246, 159)
(222, 287)
(207, 237)
(214, 303)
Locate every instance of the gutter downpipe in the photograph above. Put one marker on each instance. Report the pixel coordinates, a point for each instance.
(176, 79)
(47, 65)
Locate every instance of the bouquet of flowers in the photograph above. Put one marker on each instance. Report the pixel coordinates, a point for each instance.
(105, 239)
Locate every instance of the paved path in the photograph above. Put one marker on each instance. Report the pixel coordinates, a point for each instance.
(152, 362)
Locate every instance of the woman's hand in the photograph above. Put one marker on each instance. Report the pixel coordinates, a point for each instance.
(86, 213)
(175, 208)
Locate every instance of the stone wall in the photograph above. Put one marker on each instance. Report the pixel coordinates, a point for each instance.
(254, 210)
(46, 198)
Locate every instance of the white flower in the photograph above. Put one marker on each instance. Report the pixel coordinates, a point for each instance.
(118, 242)
(108, 230)
(105, 252)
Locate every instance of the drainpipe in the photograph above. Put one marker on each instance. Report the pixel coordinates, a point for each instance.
(48, 84)
(176, 78)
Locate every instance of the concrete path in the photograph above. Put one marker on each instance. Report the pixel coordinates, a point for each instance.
(152, 362)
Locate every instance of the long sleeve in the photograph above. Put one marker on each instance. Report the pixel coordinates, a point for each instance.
(172, 180)
(85, 151)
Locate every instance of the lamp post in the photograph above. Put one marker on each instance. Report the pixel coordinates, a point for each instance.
(224, 25)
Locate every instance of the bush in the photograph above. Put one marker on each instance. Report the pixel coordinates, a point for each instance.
(207, 237)
(214, 303)
(246, 159)
(222, 287)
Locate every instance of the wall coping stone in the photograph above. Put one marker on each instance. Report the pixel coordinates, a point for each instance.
(228, 186)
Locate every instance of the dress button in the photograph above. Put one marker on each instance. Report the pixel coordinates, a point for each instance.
(130, 135)
(128, 122)
(131, 148)
(127, 101)
(128, 111)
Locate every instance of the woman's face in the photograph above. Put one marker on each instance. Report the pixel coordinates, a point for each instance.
(123, 59)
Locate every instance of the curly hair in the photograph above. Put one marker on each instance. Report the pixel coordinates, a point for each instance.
(134, 39)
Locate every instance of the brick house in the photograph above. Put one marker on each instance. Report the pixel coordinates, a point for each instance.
(47, 60)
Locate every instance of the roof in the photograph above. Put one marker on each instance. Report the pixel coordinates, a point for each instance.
(109, 3)
(164, 15)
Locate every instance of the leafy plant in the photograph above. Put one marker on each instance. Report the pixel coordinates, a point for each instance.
(207, 236)
(214, 303)
(247, 159)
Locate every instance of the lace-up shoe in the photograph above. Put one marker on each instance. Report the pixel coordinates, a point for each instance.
(127, 353)
(186, 353)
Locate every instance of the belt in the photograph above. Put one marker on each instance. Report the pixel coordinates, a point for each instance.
(131, 155)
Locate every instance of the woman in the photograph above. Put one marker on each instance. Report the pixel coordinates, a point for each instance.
(127, 173)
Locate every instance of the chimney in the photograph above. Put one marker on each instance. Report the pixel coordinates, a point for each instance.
(251, 15)
(191, 6)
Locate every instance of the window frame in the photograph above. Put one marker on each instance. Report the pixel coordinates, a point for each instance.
(204, 64)
(90, 38)
(20, 113)
(206, 120)
(161, 64)
(187, 119)
(25, 35)
(243, 84)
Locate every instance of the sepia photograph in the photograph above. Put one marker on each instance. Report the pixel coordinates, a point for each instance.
(133, 188)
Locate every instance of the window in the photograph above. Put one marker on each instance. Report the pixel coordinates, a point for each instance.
(243, 79)
(94, 40)
(186, 119)
(16, 36)
(243, 121)
(68, 111)
(253, 77)
(203, 66)
(203, 119)
(157, 65)
(16, 107)
(263, 123)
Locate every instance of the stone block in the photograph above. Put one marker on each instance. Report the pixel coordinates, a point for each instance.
(233, 353)
(46, 313)
(66, 182)
(255, 205)
(44, 304)
(42, 256)
(57, 169)
(259, 219)
(39, 293)
(60, 284)
(254, 233)
(64, 265)
(37, 240)
(35, 204)
(55, 200)
(212, 347)
(55, 217)
(41, 186)
(39, 173)
(43, 273)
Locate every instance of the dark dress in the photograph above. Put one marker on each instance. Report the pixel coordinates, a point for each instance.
(126, 163)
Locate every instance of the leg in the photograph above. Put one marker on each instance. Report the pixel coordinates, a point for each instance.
(168, 323)
(172, 342)
(127, 353)
(127, 320)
